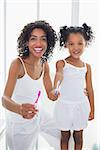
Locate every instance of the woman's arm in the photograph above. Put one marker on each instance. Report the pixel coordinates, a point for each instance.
(90, 91)
(7, 102)
(14, 73)
(47, 80)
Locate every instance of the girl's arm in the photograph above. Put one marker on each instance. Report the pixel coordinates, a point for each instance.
(59, 72)
(7, 102)
(47, 80)
(90, 91)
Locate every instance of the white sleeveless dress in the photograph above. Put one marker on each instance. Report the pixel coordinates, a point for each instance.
(22, 133)
(72, 108)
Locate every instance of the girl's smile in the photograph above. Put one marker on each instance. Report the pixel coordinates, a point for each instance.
(75, 44)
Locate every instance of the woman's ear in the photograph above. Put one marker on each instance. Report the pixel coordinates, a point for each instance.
(27, 43)
(65, 45)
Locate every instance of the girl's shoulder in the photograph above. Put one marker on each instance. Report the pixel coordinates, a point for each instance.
(88, 67)
(60, 63)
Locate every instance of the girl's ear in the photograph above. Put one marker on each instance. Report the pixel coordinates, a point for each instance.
(86, 44)
(65, 46)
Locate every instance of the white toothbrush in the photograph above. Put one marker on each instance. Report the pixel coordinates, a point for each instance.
(57, 88)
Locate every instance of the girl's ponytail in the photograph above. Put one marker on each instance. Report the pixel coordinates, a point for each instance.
(87, 32)
(62, 35)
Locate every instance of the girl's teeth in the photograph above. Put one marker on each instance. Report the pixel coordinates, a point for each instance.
(76, 52)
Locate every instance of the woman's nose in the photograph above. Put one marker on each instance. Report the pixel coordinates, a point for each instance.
(38, 42)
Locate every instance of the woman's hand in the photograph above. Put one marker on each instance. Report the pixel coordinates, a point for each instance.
(28, 111)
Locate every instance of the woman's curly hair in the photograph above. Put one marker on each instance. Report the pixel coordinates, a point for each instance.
(26, 33)
(85, 31)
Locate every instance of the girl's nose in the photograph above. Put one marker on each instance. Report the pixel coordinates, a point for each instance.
(75, 46)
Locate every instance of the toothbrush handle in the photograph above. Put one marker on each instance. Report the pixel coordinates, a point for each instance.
(56, 92)
(57, 88)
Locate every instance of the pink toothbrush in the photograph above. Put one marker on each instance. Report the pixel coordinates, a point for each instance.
(36, 101)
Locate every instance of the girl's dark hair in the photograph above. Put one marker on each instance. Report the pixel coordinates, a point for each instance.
(85, 31)
(26, 33)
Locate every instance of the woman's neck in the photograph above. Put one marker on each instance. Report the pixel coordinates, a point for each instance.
(32, 60)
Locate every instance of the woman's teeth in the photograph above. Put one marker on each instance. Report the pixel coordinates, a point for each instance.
(38, 49)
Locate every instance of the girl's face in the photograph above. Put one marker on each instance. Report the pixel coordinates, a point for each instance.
(37, 42)
(75, 44)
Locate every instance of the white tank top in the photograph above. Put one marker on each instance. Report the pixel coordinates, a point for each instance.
(73, 84)
(26, 91)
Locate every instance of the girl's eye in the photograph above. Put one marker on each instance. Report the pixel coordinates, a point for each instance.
(80, 43)
(70, 44)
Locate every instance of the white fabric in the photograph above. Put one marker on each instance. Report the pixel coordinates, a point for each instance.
(19, 133)
(22, 133)
(21, 136)
(72, 108)
(48, 129)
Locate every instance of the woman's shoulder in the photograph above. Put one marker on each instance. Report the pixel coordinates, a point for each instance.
(16, 63)
(45, 67)
(15, 66)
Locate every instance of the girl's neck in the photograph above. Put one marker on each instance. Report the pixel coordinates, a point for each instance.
(74, 60)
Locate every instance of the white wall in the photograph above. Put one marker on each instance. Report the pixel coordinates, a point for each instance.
(89, 13)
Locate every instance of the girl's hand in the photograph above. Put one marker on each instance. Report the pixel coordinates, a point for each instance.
(53, 96)
(28, 111)
(91, 116)
(86, 92)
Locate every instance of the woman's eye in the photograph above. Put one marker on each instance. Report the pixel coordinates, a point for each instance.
(44, 39)
(33, 39)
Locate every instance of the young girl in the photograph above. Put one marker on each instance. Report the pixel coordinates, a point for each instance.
(74, 108)
(26, 77)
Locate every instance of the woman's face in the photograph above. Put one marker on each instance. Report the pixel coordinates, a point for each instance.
(76, 44)
(37, 42)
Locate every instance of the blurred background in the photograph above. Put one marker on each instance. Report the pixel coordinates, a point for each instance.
(15, 14)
